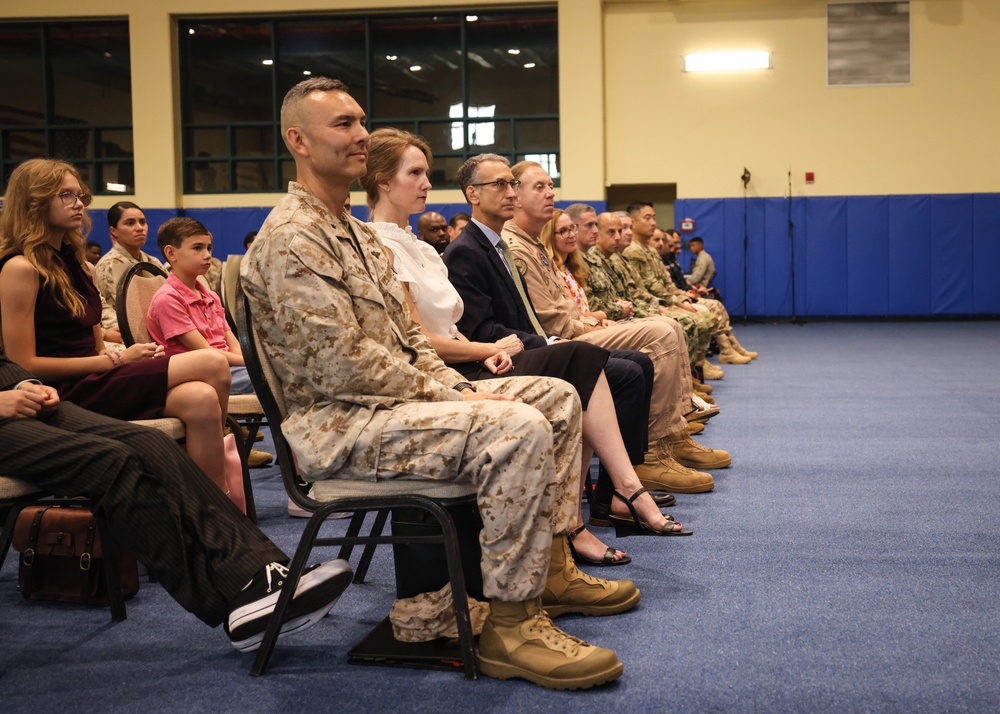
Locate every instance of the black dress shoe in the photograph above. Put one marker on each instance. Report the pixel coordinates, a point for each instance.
(600, 512)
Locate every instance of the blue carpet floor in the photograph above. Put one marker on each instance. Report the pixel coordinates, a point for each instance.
(849, 560)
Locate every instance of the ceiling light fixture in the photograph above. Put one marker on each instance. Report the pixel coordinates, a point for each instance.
(415, 68)
(267, 63)
(471, 18)
(529, 65)
(726, 61)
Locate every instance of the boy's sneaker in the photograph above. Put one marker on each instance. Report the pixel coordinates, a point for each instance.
(318, 591)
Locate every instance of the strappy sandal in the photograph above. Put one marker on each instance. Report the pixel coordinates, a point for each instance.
(606, 561)
(635, 525)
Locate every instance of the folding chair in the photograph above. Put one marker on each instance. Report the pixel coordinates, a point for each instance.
(135, 292)
(346, 496)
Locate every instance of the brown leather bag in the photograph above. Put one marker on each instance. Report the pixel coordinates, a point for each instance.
(61, 557)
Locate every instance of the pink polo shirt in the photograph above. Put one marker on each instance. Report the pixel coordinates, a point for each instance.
(176, 310)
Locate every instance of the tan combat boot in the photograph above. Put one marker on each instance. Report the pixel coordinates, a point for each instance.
(728, 353)
(711, 371)
(568, 590)
(690, 453)
(661, 472)
(519, 640)
(740, 348)
(695, 427)
(701, 386)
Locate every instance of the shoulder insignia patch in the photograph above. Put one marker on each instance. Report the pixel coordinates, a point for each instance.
(521, 266)
(543, 258)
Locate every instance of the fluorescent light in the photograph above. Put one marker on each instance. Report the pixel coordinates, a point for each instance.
(392, 58)
(191, 31)
(117, 187)
(307, 72)
(415, 68)
(513, 51)
(471, 18)
(529, 65)
(726, 61)
(267, 63)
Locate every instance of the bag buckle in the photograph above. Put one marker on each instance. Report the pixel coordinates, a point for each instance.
(28, 557)
(85, 561)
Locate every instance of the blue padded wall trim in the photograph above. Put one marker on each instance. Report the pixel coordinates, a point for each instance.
(908, 255)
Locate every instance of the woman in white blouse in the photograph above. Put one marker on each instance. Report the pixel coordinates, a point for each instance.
(397, 185)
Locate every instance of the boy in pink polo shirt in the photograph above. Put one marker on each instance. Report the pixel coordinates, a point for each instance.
(185, 314)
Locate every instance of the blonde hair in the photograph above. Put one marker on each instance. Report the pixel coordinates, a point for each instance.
(574, 261)
(24, 225)
(385, 155)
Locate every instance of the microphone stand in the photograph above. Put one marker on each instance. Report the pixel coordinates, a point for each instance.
(746, 241)
(791, 239)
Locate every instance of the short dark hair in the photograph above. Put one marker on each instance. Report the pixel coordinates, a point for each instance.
(637, 206)
(672, 231)
(93, 244)
(467, 172)
(460, 216)
(248, 239)
(174, 231)
(696, 239)
(575, 210)
(116, 211)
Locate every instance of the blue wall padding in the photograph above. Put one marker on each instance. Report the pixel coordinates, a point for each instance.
(986, 253)
(855, 255)
(907, 255)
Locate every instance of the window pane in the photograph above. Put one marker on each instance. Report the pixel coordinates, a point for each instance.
(444, 169)
(91, 75)
(226, 79)
(72, 144)
(417, 63)
(21, 69)
(513, 63)
(254, 176)
(23, 145)
(114, 143)
(538, 134)
(549, 162)
(493, 137)
(287, 173)
(438, 135)
(208, 176)
(118, 177)
(254, 140)
(329, 48)
(208, 142)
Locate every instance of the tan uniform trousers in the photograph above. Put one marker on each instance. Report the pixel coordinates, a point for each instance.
(523, 457)
(662, 340)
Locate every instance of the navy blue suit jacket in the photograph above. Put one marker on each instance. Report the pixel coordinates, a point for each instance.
(493, 307)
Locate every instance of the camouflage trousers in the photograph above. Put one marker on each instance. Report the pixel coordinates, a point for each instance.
(662, 340)
(720, 316)
(523, 457)
(696, 330)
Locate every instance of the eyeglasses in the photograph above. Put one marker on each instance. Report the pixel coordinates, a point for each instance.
(568, 230)
(501, 184)
(68, 198)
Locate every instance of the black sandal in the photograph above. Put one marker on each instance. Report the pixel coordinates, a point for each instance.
(607, 560)
(599, 512)
(625, 526)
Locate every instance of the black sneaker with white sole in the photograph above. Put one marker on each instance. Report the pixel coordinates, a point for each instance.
(318, 590)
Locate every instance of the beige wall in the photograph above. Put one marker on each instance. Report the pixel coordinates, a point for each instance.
(699, 131)
(630, 116)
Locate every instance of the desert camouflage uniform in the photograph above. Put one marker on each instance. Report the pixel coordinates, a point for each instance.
(660, 339)
(112, 266)
(368, 398)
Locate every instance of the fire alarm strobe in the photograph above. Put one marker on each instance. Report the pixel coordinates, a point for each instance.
(687, 225)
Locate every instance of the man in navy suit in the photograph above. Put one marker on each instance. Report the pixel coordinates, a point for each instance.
(497, 304)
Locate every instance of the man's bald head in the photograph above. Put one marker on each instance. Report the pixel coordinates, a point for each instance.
(433, 229)
(609, 233)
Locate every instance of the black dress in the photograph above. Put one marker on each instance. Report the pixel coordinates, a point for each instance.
(579, 363)
(133, 391)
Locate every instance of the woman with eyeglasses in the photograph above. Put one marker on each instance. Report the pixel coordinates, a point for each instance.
(559, 236)
(50, 312)
(397, 185)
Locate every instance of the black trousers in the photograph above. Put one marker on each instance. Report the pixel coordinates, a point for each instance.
(157, 502)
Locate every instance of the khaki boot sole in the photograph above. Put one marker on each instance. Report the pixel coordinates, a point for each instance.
(505, 670)
(719, 463)
(595, 610)
(658, 486)
(735, 358)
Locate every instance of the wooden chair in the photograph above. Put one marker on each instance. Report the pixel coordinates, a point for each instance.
(333, 496)
(134, 294)
(228, 285)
